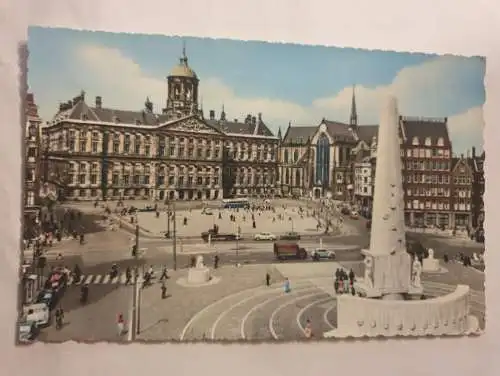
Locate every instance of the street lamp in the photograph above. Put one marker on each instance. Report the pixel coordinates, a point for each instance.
(171, 211)
(291, 221)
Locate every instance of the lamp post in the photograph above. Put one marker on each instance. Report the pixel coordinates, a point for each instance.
(171, 211)
(136, 299)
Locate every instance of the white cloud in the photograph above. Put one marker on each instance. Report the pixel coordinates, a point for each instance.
(421, 90)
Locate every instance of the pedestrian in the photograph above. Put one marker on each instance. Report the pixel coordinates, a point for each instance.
(286, 286)
(351, 276)
(308, 329)
(164, 273)
(268, 279)
(120, 324)
(216, 261)
(128, 275)
(163, 291)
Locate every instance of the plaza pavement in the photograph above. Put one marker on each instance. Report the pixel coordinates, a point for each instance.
(198, 222)
(95, 321)
(239, 306)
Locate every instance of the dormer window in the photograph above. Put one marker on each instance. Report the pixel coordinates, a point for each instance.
(84, 117)
(440, 141)
(415, 141)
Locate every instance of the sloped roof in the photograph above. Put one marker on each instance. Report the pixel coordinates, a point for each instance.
(340, 130)
(243, 128)
(299, 134)
(367, 132)
(423, 128)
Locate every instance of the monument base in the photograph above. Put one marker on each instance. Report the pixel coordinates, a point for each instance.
(198, 276)
(444, 315)
(430, 265)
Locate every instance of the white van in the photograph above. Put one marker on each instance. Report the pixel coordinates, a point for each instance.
(38, 313)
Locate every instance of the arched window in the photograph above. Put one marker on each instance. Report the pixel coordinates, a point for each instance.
(295, 156)
(297, 177)
(287, 177)
(415, 141)
(428, 141)
(440, 141)
(323, 161)
(285, 156)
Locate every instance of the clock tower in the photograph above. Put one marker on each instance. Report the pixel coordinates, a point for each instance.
(182, 85)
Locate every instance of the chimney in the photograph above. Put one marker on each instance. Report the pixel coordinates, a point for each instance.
(235, 120)
(473, 152)
(98, 102)
(468, 153)
(212, 115)
(260, 117)
(254, 120)
(248, 119)
(462, 156)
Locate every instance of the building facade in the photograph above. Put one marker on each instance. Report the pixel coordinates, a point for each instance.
(462, 187)
(427, 157)
(177, 154)
(478, 190)
(315, 161)
(31, 194)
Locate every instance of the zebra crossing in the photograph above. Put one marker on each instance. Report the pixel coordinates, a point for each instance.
(104, 279)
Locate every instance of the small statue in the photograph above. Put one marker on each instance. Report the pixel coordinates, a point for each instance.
(417, 273)
(199, 262)
(368, 273)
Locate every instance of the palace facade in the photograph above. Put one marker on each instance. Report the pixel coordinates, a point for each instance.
(173, 154)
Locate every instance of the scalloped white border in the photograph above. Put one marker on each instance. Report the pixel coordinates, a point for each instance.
(425, 25)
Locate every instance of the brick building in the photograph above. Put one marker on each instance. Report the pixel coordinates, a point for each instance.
(31, 197)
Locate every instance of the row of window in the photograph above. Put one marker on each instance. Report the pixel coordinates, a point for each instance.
(427, 179)
(428, 165)
(125, 180)
(428, 204)
(429, 192)
(427, 142)
(427, 153)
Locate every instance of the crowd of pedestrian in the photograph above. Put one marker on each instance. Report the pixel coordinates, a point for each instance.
(344, 282)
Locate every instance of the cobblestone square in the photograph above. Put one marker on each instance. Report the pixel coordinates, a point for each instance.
(266, 221)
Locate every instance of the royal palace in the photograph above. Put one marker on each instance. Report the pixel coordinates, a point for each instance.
(92, 152)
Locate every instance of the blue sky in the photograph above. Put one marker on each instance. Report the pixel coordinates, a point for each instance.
(285, 82)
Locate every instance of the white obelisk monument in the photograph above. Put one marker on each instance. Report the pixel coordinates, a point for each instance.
(388, 269)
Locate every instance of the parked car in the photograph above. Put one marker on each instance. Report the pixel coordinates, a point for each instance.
(322, 253)
(290, 236)
(28, 330)
(47, 297)
(207, 211)
(39, 313)
(264, 236)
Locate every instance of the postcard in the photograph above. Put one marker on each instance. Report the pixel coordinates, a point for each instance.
(195, 189)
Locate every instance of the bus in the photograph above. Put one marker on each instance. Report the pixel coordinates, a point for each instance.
(236, 203)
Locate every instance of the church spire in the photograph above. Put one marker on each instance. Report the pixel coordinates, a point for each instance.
(223, 114)
(279, 133)
(353, 121)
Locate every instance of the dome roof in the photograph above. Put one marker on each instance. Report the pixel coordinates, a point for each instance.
(182, 69)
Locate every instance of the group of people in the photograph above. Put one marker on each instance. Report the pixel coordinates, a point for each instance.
(344, 282)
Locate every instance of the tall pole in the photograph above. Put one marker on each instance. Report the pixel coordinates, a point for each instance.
(135, 301)
(174, 244)
(168, 219)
